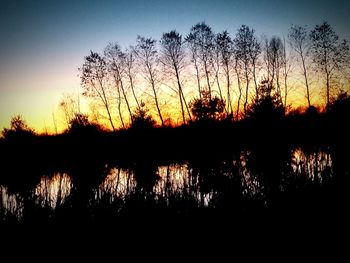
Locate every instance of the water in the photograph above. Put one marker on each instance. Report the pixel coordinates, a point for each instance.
(187, 185)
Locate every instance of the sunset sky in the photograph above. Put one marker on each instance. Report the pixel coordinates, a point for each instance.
(44, 42)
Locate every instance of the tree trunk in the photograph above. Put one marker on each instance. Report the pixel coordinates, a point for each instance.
(246, 91)
(109, 116)
(119, 107)
(217, 70)
(105, 102)
(255, 82)
(133, 91)
(156, 101)
(220, 93)
(285, 89)
(187, 109)
(180, 94)
(182, 106)
(126, 99)
(240, 94)
(306, 81)
(229, 105)
(328, 87)
(207, 77)
(198, 77)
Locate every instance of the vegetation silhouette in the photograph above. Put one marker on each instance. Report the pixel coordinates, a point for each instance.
(266, 162)
(207, 108)
(261, 175)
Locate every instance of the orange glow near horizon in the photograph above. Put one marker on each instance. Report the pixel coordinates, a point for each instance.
(44, 113)
(40, 107)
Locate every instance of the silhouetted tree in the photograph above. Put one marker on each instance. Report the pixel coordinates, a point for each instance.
(146, 51)
(238, 71)
(339, 109)
(193, 47)
(201, 39)
(18, 128)
(286, 67)
(273, 58)
(116, 61)
(267, 109)
(224, 47)
(329, 53)
(207, 108)
(79, 120)
(131, 72)
(247, 50)
(299, 41)
(69, 105)
(94, 77)
(173, 59)
(254, 53)
(216, 65)
(81, 126)
(141, 118)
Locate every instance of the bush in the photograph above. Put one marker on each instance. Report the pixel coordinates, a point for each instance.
(18, 129)
(141, 119)
(207, 107)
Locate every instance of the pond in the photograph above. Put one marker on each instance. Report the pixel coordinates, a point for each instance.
(250, 176)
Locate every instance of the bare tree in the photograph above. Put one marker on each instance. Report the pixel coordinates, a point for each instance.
(147, 53)
(254, 49)
(201, 39)
(69, 105)
(273, 60)
(244, 43)
(131, 72)
(238, 71)
(286, 67)
(329, 53)
(299, 41)
(216, 63)
(116, 61)
(224, 46)
(173, 58)
(193, 47)
(94, 76)
(54, 123)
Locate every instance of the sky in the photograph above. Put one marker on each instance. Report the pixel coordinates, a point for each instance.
(42, 43)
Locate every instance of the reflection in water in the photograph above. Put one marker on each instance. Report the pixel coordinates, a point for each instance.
(316, 165)
(173, 178)
(118, 183)
(53, 190)
(10, 204)
(50, 192)
(208, 184)
(178, 180)
(251, 184)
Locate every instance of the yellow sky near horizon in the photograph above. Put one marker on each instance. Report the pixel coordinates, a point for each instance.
(39, 104)
(40, 107)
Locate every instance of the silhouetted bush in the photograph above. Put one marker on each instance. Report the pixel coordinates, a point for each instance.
(80, 124)
(340, 108)
(267, 108)
(207, 107)
(18, 129)
(141, 119)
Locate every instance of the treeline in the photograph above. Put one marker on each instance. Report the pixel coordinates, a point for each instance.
(211, 143)
(265, 117)
(172, 77)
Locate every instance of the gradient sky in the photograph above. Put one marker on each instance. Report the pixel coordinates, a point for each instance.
(42, 43)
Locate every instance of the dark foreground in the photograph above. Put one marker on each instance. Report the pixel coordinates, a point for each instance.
(293, 170)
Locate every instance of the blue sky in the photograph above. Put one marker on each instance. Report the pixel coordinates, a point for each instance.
(42, 43)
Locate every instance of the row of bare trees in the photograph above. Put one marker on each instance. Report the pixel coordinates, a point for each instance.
(322, 45)
(231, 67)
